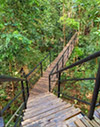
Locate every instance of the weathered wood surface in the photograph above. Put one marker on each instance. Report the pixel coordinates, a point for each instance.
(48, 111)
(42, 85)
(44, 109)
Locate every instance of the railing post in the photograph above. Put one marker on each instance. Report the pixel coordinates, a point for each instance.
(41, 69)
(59, 84)
(74, 40)
(95, 94)
(27, 88)
(68, 52)
(49, 83)
(71, 45)
(23, 94)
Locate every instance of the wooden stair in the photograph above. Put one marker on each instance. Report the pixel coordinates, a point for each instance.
(46, 110)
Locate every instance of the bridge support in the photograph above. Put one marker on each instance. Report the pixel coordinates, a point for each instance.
(59, 77)
(95, 94)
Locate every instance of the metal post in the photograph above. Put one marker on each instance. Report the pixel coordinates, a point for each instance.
(71, 46)
(74, 40)
(23, 94)
(68, 52)
(59, 84)
(41, 69)
(49, 83)
(27, 88)
(95, 94)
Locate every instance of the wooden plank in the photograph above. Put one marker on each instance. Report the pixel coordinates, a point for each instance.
(43, 106)
(50, 125)
(51, 112)
(41, 99)
(59, 124)
(38, 97)
(35, 113)
(44, 102)
(72, 124)
(62, 116)
(92, 122)
(54, 117)
(79, 116)
(79, 123)
(67, 115)
(49, 116)
(86, 122)
(95, 123)
(33, 125)
(45, 114)
(97, 113)
(97, 120)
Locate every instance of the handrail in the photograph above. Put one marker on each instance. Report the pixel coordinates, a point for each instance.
(24, 82)
(73, 37)
(24, 86)
(24, 92)
(8, 79)
(49, 54)
(67, 51)
(97, 83)
(74, 79)
(90, 57)
(40, 64)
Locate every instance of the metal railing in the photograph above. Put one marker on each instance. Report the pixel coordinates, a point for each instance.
(96, 88)
(33, 75)
(64, 57)
(37, 72)
(25, 82)
(24, 92)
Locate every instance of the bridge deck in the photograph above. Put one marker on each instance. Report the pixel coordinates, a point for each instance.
(44, 109)
(42, 85)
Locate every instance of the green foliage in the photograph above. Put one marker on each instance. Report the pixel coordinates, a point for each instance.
(70, 22)
(29, 29)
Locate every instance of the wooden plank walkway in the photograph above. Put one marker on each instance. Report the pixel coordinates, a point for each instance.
(42, 85)
(47, 110)
(44, 109)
